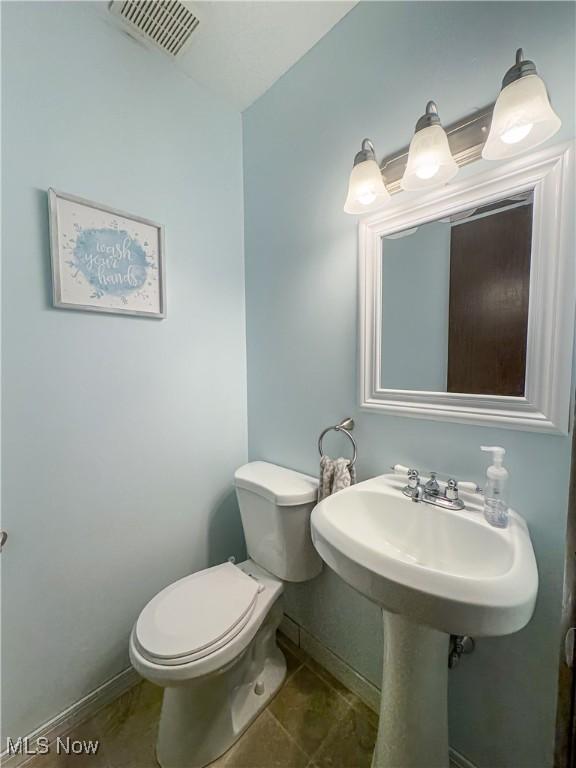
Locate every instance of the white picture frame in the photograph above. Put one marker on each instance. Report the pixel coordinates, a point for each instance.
(104, 259)
(546, 404)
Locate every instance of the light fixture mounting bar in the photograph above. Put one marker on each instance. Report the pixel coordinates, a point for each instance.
(466, 138)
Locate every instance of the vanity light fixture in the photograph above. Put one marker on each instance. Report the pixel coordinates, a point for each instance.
(366, 189)
(523, 117)
(430, 162)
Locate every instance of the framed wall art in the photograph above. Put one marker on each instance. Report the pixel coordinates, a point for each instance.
(105, 260)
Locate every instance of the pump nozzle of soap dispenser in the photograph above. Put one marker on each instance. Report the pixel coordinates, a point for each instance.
(497, 453)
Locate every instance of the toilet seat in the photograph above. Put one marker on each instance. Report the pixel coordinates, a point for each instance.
(184, 670)
(196, 616)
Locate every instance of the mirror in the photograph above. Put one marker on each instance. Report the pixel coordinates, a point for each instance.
(455, 297)
(467, 299)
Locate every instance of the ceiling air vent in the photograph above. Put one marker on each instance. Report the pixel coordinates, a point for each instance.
(166, 23)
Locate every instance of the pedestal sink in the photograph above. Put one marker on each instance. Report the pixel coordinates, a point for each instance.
(435, 572)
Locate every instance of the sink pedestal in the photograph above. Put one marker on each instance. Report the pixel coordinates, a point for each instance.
(413, 727)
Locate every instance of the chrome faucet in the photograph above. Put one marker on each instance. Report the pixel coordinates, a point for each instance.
(431, 493)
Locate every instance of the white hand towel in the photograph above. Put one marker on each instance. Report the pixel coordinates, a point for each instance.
(335, 475)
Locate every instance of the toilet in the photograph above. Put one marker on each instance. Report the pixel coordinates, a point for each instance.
(209, 639)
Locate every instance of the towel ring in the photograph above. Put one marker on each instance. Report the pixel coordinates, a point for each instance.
(345, 426)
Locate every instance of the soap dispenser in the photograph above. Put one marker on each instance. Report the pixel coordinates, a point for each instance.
(495, 499)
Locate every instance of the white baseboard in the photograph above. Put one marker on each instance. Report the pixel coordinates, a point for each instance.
(354, 681)
(343, 672)
(77, 713)
(290, 629)
(459, 761)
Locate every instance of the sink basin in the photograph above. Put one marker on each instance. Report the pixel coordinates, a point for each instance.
(435, 572)
(447, 569)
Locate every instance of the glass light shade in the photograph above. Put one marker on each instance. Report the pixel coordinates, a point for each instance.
(523, 118)
(366, 189)
(430, 162)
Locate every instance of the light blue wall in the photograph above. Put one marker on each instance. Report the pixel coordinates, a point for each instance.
(415, 304)
(372, 76)
(121, 435)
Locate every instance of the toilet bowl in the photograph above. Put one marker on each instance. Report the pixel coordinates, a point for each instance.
(209, 639)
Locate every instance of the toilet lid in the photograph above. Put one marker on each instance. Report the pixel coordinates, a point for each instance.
(197, 613)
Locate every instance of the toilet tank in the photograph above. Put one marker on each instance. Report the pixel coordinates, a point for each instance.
(275, 506)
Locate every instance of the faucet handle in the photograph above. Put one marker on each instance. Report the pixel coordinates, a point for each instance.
(470, 487)
(413, 478)
(452, 489)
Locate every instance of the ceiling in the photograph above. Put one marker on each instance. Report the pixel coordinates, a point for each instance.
(241, 48)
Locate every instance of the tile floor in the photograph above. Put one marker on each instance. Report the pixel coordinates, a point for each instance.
(312, 722)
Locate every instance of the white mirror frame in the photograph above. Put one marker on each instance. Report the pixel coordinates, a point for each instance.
(546, 404)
